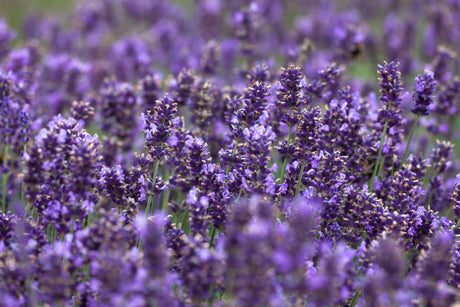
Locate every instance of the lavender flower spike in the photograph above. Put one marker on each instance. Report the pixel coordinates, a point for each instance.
(425, 86)
(390, 89)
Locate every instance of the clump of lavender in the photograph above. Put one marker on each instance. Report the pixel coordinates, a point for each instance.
(14, 118)
(216, 182)
(61, 173)
(425, 86)
(390, 94)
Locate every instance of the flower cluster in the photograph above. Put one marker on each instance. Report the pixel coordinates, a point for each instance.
(231, 153)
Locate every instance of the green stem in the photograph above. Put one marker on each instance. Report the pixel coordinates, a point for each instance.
(411, 134)
(90, 219)
(354, 301)
(165, 200)
(212, 235)
(5, 178)
(299, 181)
(382, 140)
(428, 203)
(283, 170)
(86, 270)
(184, 220)
(73, 225)
(154, 181)
(408, 263)
(239, 195)
(381, 165)
(53, 233)
(235, 148)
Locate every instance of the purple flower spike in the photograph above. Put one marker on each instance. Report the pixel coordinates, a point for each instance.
(425, 86)
(390, 90)
(157, 126)
(254, 103)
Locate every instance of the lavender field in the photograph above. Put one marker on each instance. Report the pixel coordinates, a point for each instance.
(230, 153)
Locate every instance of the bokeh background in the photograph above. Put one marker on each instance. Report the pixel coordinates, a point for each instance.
(15, 11)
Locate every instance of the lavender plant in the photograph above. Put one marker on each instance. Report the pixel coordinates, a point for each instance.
(231, 153)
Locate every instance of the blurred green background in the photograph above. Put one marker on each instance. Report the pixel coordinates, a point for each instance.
(14, 11)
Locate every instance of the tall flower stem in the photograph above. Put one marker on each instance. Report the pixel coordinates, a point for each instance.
(354, 301)
(235, 148)
(213, 232)
(165, 200)
(154, 181)
(283, 170)
(382, 140)
(411, 134)
(299, 180)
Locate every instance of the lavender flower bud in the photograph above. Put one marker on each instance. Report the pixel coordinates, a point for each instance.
(390, 90)
(260, 72)
(439, 156)
(425, 86)
(253, 104)
(158, 125)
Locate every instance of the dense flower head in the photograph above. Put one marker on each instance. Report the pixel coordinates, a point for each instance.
(308, 133)
(259, 72)
(151, 156)
(204, 100)
(390, 92)
(14, 118)
(7, 221)
(61, 171)
(455, 198)
(253, 104)
(183, 86)
(82, 110)
(158, 124)
(119, 104)
(439, 156)
(390, 84)
(199, 220)
(425, 86)
(289, 90)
